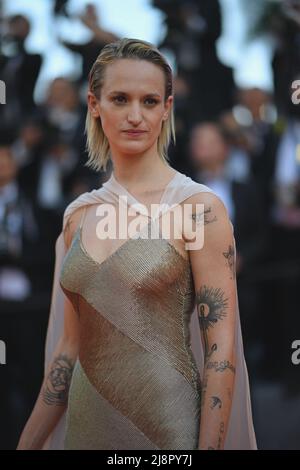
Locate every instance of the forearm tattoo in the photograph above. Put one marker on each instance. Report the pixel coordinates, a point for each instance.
(58, 381)
(230, 258)
(204, 217)
(220, 438)
(221, 435)
(215, 402)
(220, 366)
(211, 307)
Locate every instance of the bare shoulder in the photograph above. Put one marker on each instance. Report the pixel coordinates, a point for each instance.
(72, 224)
(212, 203)
(208, 210)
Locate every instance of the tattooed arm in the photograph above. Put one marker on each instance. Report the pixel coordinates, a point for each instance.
(53, 396)
(213, 268)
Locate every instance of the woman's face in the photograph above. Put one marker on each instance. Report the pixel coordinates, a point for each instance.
(132, 105)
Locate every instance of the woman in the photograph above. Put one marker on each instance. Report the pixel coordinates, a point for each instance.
(129, 299)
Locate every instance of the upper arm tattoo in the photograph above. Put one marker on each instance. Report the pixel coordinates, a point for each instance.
(58, 381)
(229, 255)
(204, 217)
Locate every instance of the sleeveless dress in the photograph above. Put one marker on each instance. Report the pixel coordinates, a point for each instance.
(135, 384)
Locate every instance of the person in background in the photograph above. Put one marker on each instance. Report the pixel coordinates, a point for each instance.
(214, 164)
(90, 50)
(27, 237)
(280, 175)
(19, 71)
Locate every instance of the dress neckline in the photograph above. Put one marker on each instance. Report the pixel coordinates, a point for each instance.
(79, 240)
(113, 185)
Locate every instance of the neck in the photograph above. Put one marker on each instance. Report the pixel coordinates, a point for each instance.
(141, 168)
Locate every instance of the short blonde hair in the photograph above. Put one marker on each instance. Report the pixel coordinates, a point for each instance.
(97, 143)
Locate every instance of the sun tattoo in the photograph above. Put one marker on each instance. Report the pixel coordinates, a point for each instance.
(212, 306)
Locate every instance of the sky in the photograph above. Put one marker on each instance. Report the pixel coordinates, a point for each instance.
(136, 18)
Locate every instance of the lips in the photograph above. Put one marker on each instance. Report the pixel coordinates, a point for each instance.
(134, 131)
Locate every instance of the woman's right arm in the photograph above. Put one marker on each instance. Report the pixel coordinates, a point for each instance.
(53, 397)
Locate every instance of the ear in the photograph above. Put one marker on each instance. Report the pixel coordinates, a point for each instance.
(168, 107)
(93, 104)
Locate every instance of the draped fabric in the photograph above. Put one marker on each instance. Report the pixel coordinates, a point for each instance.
(140, 360)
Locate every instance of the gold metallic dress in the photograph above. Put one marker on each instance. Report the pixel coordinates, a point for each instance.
(135, 384)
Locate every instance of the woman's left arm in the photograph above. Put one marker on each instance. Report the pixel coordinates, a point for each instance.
(213, 268)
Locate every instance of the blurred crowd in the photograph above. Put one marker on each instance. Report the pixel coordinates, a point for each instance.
(242, 143)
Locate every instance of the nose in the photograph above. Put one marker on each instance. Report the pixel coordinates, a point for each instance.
(135, 114)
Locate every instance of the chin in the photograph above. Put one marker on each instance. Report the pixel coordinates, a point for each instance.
(134, 148)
